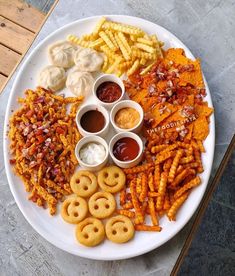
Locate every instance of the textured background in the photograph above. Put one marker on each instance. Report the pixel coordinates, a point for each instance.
(208, 29)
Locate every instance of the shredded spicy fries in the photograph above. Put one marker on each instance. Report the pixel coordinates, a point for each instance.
(43, 137)
(176, 123)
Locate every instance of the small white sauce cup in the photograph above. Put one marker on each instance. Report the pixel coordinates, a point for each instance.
(103, 132)
(123, 104)
(91, 139)
(130, 163)
(105, 78)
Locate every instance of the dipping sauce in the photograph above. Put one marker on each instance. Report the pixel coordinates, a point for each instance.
(126, 149)
(108, 92)
(92, 121)
(92, 153)
(127, 117)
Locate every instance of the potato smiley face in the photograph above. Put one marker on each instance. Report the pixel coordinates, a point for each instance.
(90, 232)
(102, 204)
(74, 209)
(111, 179)
(119, 229)
(84, 183)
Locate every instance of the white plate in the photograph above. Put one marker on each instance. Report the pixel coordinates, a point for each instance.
(54, 229)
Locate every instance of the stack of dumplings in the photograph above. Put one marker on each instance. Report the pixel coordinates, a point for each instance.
(63, 55)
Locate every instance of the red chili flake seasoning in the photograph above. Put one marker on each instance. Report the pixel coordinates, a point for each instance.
(126, 149)
(108, 92)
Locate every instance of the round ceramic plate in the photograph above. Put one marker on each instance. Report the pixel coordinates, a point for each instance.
(54, 229)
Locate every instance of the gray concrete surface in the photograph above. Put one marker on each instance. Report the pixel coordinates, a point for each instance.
(208, 29)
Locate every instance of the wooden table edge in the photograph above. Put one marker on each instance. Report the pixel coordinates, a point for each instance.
(23, 55)
(203, 206)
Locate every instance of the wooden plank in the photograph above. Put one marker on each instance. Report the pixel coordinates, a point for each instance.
(22, 13)
(14, 36)
(3, 80)
(8, 60)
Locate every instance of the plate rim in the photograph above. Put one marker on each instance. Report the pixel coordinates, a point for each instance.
(5, 149)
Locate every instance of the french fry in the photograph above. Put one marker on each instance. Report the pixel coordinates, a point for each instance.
(133, 68)
(99, 25)
(139, 216)
(122, 28)
(181, 176)
(162, 157)
(152, 212)
(150, 182)
(147, 69)
(158, 148)
(124, 42)
(175, 206)
(144, 187)
(142, 227)
(122, 48)
(128, 205)
(145, 47)
(186, 159)
(193, 183)
(145, 41)
(157, 176)
(138, 169)
(200, 146)
(123, 197)
(126, 213)
(167, 165)
(198, 160)
(107, 40)
(174, 165)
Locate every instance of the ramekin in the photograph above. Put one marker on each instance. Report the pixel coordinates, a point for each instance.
(121, 105)
(104, 78)
(131, 163)
(92, 139)
(103, 132)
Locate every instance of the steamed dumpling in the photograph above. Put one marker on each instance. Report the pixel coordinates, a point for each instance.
(88, 60)
(79, 83)
(61, 54)
(52, 78)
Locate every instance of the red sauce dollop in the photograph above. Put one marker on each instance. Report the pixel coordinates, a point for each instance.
(92, 121)
(126, 149)
(108, 92)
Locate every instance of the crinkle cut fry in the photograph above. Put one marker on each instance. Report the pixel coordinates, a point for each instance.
(157, 176)
(123, 196)
(152, 210)
(144, 187)
(162, 157)
(139, 216)
(181, 176)
(138, 169)
(193, 183)
(174, 165)
(176, 205)
(127, 213)
(143, 227)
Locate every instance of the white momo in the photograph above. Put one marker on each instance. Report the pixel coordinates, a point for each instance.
(79, 83)
(61, 54)
(88, 60)
(52, 78)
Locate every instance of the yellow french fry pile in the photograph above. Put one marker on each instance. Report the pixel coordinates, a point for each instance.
(126, 48)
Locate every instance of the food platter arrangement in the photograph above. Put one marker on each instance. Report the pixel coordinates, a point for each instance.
(114, 135)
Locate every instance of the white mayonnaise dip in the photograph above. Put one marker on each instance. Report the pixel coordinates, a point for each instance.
(92, 153)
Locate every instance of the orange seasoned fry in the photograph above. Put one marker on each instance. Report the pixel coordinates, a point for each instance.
(167, 204)
(198, 160)
(150, 182)
(153, 194)
(174, 165)
(186, 159)
(200, 146)
(144, 187)
(152, 211)
(138, 185)
(163, 183)
(162, 157)
(138, 169)
(123, 197)
(126, 213)
(175, 206)
(181, 176)
(157, 176)
(191, 165)
(158, 148)
(143, 227)
(179, 169)
(193, 183)
(128, 205)
(139, 216)
(167, 165)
